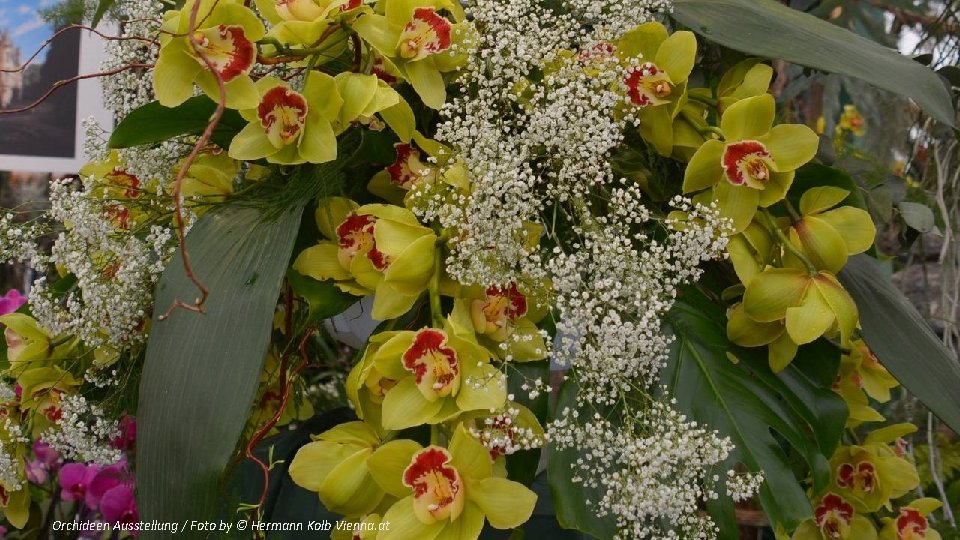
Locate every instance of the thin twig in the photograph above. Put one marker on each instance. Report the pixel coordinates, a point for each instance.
(64, 82)
(72, 27)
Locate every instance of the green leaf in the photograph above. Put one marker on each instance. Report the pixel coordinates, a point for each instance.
(323, 297)
(814, 175)
(522, 465)
(769, 29)
(748, 403)
(201, 370)
(917, 216)
(102, 8)
(154, 123)
(903, 341)
(569, 497)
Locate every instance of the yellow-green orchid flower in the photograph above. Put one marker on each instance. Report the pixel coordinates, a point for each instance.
(751, 251)
(290, 127)
(335, 466)
(446, 493)
(858, 406)
(305, 22)
(210, 176)
(828, 235)
(415, 39)
(755, 164)
(834, 518)
(810, 305)
(426, 377)
(227, 33)
(367, 95)
(869, 373)
(376, 248)
(748, 78)
(746, 332)
(657, 84)
(503, 321)
(27, 344)
(912, 523)
(871, 474)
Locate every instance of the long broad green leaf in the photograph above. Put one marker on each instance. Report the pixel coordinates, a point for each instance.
(770, 29)
(758, 410)
(153, 123)
(102, 7)
(903, 341)
(202, 370)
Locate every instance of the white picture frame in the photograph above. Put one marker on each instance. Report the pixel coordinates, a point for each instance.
(89, 104)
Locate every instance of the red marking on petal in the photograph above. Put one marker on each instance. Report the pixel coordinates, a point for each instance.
(833, 515)
(122, 178)
(432, 362)
(282, 114)
(911, 525)
(427, 33)
(845, 475)
(746, 162)
(227, 48)
(437, 490)
(379, 69)
(407, 169)
(648, 85)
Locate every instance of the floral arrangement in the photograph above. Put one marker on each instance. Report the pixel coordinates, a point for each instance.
(589, 251)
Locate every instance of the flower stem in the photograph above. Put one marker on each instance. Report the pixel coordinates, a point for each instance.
(811, 268)
(697, 123)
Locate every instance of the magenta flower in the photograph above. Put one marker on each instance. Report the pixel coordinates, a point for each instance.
(128, 434)
(119, 505)
(105, 480)
(75, 479)
(11, 301)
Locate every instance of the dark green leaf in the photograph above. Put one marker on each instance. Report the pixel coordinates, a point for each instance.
(917, 216)
(202, 370)
(769, 29)
(749, 404)
(102, 8)
(153, 123)
(323, 297)
(903, 341)
(570, 498)
(952, 74)
(522, 466)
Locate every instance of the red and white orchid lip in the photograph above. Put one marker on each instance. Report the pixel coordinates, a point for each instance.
(380, 70)
(435, 366)
(227, 49)
(863, 477)
(282, 113)
(427, 33)
(648, 85)
(833, 516)
(747, 163)
(911, 525)
(355, 235)
(407, 170)
(501, 306)
(437, 488)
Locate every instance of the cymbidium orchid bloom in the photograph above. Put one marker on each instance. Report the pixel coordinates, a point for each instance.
(226, 33)
(503, 319)
(827, 234)
(911, 522)
(755, 164)
(847, 385)
(751, 251)
(210, 176)
(375, 248)
(748, 78)
(851, 121)
(304, 22)
(367, 95)
(117, 185)
(15, 505)
(41, 391)
(808, 306)
(290, 127)
(446, 492)
(871, 474)
(415, 39)
(863, 366)
(834, 518)
(335, 466)
(424, 377)
(656, 84)
(28, 345)
(505, 431)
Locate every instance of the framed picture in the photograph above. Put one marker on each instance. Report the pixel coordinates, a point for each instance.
(48, 137)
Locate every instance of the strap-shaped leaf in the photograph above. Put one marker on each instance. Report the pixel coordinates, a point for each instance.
(768, 28)
(903, 341)
(748, 403)
(152, 123)
(202, 370)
